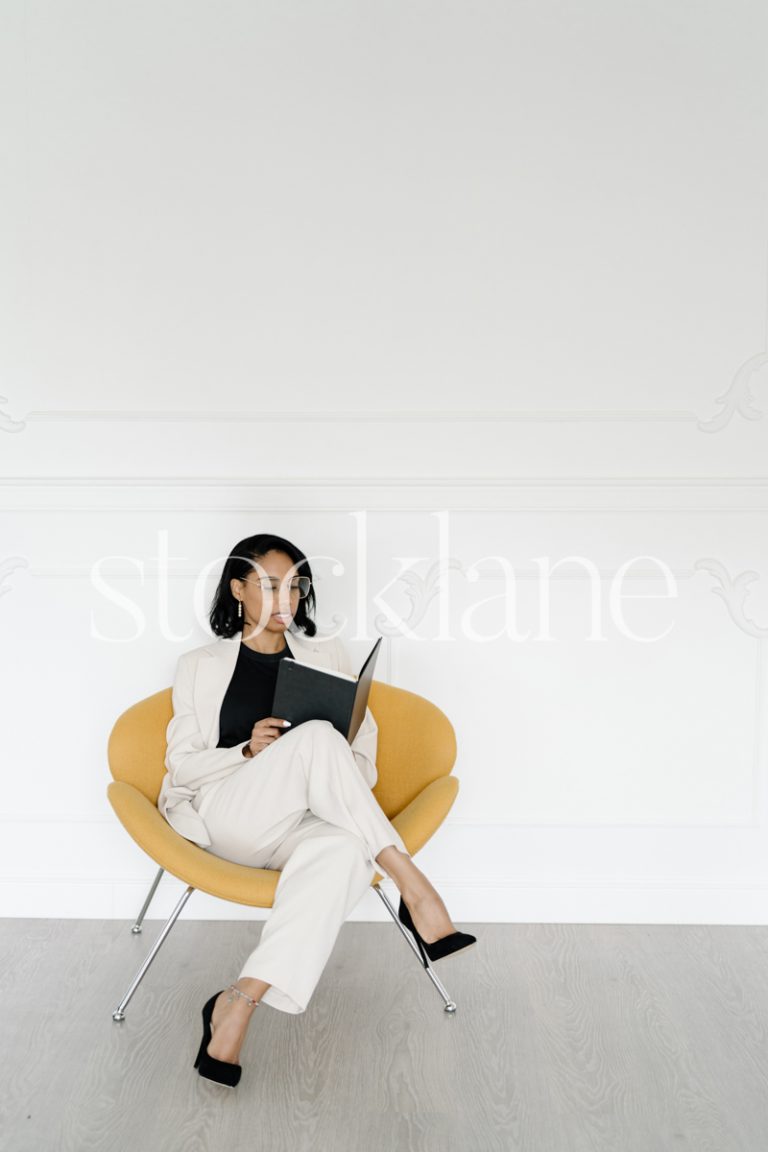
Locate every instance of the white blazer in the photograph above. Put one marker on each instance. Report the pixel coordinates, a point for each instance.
(192, 758)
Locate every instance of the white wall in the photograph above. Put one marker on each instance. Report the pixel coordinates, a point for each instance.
(363, 274)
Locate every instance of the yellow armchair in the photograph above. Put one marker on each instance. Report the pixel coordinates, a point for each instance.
(415, 755)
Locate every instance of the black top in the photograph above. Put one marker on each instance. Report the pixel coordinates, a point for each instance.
(249, 695)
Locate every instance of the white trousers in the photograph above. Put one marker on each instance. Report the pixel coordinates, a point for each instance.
(302, 806)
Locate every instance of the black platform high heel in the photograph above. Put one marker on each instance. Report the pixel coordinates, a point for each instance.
(445, 946)
(220, 1071)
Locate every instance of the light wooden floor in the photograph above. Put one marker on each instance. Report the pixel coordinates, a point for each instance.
(567, 1038)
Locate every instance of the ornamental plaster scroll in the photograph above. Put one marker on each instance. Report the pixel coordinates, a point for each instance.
(734, 592)
(8, 566)
(421, 591)
(738, 399)
(7, 424)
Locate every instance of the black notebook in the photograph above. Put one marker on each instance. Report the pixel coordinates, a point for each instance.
(306, 692)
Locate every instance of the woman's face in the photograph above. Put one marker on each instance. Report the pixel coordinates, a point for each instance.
(269, 604)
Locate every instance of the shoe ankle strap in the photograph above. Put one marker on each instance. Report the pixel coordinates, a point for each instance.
(238, 992)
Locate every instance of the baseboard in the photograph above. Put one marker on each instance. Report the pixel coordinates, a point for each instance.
(491, 900)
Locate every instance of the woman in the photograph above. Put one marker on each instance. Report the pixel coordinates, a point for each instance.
(245, 786)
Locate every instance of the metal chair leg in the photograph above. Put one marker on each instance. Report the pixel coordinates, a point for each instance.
(140, 919)
(449, 1005)
(119, 1012)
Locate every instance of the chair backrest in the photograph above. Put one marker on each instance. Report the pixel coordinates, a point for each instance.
(416, 744)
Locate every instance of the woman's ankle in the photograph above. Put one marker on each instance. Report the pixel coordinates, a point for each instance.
(250, 988)
(410, 881)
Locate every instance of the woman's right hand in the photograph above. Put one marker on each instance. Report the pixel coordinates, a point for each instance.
(264, 733)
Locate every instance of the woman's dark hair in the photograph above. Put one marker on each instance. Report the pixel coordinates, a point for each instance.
(224, 619)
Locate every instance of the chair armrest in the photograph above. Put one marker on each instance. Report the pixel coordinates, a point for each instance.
(187, 861)
(419, 820)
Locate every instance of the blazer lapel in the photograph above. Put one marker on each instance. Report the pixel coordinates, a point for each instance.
(217, 666)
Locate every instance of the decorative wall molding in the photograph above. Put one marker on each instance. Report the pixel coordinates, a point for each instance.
(734, 592)
(759, 769)
(598, 884)
(420, 590)
(396, 416)
(7, 567)
(7, 424)
(83, 571)
(738, 399)
(65, 820)
(374, 482)
(238, 496)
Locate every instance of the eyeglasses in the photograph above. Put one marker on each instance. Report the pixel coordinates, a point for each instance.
(299, 586)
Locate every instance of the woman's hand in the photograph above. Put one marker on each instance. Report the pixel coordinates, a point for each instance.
(264, 733)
